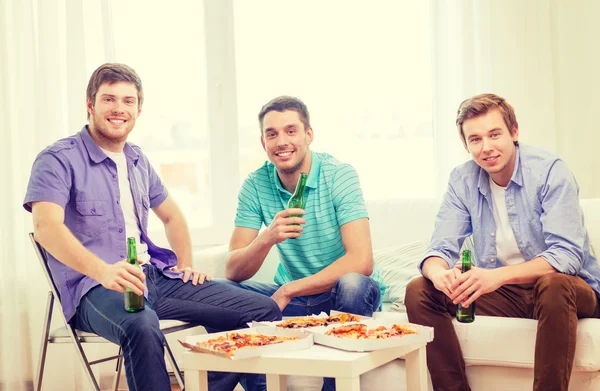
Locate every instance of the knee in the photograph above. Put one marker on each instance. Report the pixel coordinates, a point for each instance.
(355, 284)
(273, 312)
(416, 293)
(554, 290)
(143, 325)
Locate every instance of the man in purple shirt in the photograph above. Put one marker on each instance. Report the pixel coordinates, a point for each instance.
(88, 193)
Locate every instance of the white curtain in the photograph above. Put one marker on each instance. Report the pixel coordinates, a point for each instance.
(541, 55)
(42, 98)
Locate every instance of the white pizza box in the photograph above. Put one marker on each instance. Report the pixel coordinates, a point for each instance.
(321, 315)
(304, 341)
(424, 335)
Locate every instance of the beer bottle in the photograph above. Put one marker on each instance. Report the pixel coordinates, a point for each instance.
(133, 302)
(465, 315)
(297, 200)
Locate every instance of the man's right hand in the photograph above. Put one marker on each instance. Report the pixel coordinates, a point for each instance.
(122, 275)
(442, 279)
(284, 227)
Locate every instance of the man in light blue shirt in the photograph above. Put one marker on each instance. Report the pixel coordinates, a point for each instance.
(532, 252)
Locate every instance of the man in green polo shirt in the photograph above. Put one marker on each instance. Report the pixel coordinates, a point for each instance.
(326, 260)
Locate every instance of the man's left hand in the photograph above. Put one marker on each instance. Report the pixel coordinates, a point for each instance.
(196, 276)
(474, 283)
(281, 297)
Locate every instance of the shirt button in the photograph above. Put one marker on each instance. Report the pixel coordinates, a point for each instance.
(120, 230)
(122, 255)
(118, 202)
(93, 211)
(72, 142)
(491, 260)
(114, 175)
(493, 234)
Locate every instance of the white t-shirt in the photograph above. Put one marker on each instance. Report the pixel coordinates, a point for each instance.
(507, 251)
(132, 228)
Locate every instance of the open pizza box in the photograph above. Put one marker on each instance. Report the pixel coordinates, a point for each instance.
(424, 335)
(304, 341)
(322, 315)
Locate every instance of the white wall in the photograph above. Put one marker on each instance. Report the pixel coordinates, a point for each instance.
(575, 35)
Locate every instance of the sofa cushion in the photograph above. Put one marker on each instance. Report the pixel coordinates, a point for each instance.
(397, 266)
(510, 342)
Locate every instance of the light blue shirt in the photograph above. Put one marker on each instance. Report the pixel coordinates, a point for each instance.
(333, 198)
(542, 201)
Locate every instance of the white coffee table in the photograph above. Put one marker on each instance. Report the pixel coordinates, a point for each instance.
(345, 367)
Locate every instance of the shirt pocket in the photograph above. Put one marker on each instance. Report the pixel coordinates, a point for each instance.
(91, 218)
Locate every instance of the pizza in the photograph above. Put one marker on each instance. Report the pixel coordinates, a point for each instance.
(230, 343)
(360, 331)
(313, 321)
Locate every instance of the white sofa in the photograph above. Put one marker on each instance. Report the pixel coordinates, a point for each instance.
(498, 351)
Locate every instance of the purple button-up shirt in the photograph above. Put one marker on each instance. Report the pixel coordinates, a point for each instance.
(77, 175)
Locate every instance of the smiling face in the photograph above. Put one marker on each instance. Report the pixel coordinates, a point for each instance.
(113, 114)
(492, 145)
(286, 141)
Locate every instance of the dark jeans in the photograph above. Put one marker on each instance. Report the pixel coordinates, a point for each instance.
(353, 293)
(556, 300)
(212, 304)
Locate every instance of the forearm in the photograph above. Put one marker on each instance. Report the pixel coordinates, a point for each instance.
(180, 241)
(526, 272)
(433, 265)
(326, 278)
(243, 263)
(64, 246)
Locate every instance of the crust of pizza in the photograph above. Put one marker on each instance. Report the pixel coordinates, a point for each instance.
(312, 321)
(234, 341)
(360, 331)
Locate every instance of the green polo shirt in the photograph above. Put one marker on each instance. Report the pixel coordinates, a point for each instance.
(333, 198)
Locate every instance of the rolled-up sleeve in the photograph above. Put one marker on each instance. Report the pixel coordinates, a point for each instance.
(452, 227)
(562, 220)
(157, 191)
(50, 181)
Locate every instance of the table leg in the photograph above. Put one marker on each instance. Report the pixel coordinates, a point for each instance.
(348, 383)
(196, 380)
(416, 370)
(276, 382)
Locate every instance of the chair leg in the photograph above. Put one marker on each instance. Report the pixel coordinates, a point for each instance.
(44, 344)
(173, 363)
(83, 358)
(118, 370)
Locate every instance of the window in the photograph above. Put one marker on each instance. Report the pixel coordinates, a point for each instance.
(364, 71)
(362, 68)
(165, 45)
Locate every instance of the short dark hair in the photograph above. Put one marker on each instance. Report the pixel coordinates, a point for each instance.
(113, 73)
(481, 105)
(284, 103)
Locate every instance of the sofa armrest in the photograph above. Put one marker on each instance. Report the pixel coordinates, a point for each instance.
(211, 261)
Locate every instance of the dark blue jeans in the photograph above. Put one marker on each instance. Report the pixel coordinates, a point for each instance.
(354, 293)
(213, 304)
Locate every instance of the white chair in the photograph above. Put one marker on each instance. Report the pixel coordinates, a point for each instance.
(69, 334)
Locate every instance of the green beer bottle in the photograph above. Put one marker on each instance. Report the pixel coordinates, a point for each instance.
(466, 315)
(297, 200)
(133, 302)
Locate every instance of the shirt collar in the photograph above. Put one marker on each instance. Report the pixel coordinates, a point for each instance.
(517, 176)
(97, 155)
(313, 176)
(315, 169)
